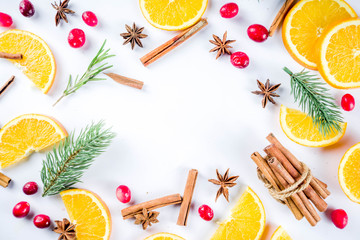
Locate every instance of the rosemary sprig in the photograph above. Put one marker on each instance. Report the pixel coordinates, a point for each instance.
(90, 74)
(315, 99)
(65, 165)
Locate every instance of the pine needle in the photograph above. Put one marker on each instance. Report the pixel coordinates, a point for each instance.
(65, 165)
(90, 74)
(315, 100)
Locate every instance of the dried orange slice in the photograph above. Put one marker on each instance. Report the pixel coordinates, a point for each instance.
(164, 236)
(89, 213)
(298, 126)
(26, 134)
(247, 219)
(305, 23)
(339, 54)
(349, 173)
(38, 62)
(173, 15)
(280, 234)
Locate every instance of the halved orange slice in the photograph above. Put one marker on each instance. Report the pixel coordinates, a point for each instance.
(89, 213)
(246, 221)
(349, 173)
(38, 62)
(173, 15)
(164, 236)
(299, 127)
(26, 134)
(280, 234)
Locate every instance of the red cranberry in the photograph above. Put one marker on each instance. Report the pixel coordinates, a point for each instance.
(348, 102)
(229, 10)
(339, 218)
(257, 33)
(206, 212)
(123, 193)
(76, 38)
(5, 20)
(90, 18)
(26, 8)
(21, 209)
(30, 188)
(240, 59)
(42, 221)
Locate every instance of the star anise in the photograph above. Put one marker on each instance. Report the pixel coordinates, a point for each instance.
(268, 91)
(146, 218)
(66, 230)
(133, 35)
(225, 182)
(221, 45)
(62, 10)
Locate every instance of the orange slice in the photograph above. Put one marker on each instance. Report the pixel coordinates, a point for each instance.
(305, 23)
(298, 126)
(349, 173)
(26, 134)
(164, 236)
(247, 219)
(339, 55)
(38, 62)
(89, 213)
(173, 15)
(280, 234)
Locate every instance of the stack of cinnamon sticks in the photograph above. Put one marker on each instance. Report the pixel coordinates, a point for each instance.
(291, 181)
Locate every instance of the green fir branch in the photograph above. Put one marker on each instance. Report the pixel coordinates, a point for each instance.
(315, 100)
(65, 165)
(90, 74)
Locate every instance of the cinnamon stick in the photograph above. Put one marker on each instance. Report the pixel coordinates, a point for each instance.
(126, 81)
(270, 176)
(281, 16)
(15, 56)
(4, 180)
(7, 84)
(151, 205)
(273, 151)
(187, 197)
(172, 43)
(290, 180)
(295, 197)
(318, 186)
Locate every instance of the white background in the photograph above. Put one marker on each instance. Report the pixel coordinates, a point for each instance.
(194, 112)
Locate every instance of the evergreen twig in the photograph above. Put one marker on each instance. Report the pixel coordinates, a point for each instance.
(315, 100)
(65, 165)
(90, 74)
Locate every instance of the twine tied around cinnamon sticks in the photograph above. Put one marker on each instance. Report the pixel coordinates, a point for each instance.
(280, 195)
(291, 181)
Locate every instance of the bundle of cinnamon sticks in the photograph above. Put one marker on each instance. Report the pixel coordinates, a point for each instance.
(290, 181)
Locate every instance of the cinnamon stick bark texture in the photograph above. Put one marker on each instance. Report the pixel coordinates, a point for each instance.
(4, 180)
(281, 16)
(126, 81)
(172, 43)
(319, 187)
(187, 197)
(6, 85)
(270, 176)
(295, 197)
(16, 56)
(151, 205)
(273, 151)
(273, 162)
